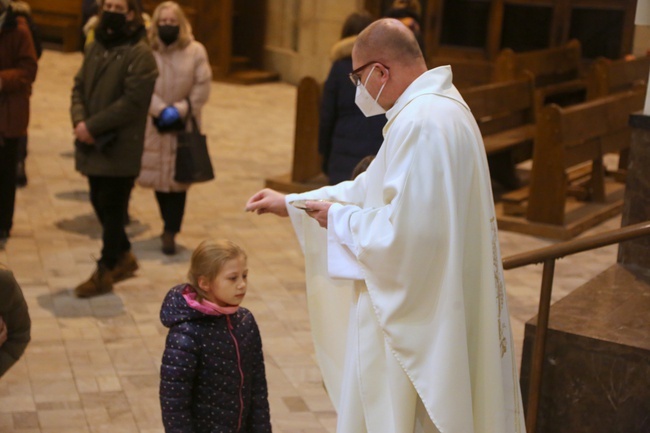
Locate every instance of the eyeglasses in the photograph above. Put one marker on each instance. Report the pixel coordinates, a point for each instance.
(355, 77)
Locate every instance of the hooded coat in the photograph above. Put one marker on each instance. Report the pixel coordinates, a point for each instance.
(111, 93)
(345, 135)
(212, 377)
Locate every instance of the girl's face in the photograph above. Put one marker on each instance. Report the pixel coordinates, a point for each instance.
(229, 286)
(167, 18)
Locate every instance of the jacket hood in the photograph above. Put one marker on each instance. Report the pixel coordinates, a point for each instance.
(175, 309)
(342, 48)
(21, 8)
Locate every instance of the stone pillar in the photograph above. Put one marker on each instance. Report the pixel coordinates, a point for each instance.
(636, 207)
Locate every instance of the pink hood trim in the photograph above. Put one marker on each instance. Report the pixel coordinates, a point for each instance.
(206, 306)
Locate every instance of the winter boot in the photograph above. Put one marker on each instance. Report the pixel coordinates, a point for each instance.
(125, 267)
(100, 282)
(168, 243)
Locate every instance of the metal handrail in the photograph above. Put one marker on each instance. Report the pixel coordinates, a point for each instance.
(548, 255)
(574, 246)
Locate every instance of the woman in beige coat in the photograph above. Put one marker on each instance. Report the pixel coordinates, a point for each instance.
(185, 75)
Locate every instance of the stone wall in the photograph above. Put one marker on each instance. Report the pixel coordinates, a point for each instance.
(300, 34)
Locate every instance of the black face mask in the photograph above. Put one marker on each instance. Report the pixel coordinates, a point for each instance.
(168, 34)
(113, 23)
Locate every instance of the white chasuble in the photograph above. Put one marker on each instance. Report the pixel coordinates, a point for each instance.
(405, 288)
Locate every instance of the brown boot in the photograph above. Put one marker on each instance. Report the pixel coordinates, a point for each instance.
(168, 244)
(100, 282)
(125, 267)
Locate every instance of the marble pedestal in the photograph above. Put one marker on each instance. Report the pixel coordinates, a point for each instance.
(597, 366)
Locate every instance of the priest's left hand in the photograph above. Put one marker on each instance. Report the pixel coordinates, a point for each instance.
(318, 210)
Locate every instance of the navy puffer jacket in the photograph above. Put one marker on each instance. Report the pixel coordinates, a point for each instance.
(212, 373)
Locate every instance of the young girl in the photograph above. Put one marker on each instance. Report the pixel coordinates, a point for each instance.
(212, 373)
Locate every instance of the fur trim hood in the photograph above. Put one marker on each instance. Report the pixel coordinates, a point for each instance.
(21, 8)
(342, 48)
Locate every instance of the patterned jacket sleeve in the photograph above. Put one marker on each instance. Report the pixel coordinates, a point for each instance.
(177, 373)
(259, 416)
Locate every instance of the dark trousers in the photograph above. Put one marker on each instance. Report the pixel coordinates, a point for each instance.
(8, 159)
(22, 148)
(110, 199)
(172, 209)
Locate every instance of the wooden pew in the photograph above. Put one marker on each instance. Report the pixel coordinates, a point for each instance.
(306, 173)
(557, 72)
(505, 113)
(467, 72)
(607, 76)
(566, 138)
(60, 20)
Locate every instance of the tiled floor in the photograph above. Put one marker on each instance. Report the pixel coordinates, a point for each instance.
(92, 365)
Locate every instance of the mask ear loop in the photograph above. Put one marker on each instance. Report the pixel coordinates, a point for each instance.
(382, 86)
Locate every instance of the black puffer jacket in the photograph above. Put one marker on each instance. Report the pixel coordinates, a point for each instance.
(212, 373)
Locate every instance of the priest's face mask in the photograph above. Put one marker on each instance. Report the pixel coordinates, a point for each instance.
(364, 100)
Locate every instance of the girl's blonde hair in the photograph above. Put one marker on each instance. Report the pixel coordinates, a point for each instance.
(209, 258)
(185, 31)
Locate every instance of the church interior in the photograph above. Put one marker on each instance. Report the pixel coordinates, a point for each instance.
(93, 364)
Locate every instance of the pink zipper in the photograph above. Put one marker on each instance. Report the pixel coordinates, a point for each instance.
(241, 374)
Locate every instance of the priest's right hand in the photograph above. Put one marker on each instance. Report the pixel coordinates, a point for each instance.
(267, 201)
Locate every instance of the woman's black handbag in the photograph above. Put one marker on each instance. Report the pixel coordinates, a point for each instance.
(192, 158)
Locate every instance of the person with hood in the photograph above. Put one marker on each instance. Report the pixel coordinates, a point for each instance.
(182, 88)
(110, 100)
(18, 66)
(345, 135)
(404, 277)
(212, 377)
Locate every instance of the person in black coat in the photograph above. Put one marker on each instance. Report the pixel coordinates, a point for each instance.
(345, 135)
(212, 377)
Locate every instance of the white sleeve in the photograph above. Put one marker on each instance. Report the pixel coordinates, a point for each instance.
(341, 257)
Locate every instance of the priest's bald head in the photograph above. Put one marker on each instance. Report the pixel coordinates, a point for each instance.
(386, 59)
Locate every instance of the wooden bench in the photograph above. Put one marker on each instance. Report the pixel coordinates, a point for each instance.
(467, 73)
(557, 72)
(306, 173)
(59, 20)
(565, 139)
(606, 77)
(505, 113)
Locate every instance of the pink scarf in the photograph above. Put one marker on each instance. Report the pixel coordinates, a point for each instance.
(206, 306)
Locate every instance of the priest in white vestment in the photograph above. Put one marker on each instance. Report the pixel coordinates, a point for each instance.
(404, 278)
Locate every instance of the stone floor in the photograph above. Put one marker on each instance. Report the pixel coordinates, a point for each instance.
(92, 365)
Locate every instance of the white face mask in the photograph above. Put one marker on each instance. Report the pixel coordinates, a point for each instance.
(368, 106)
